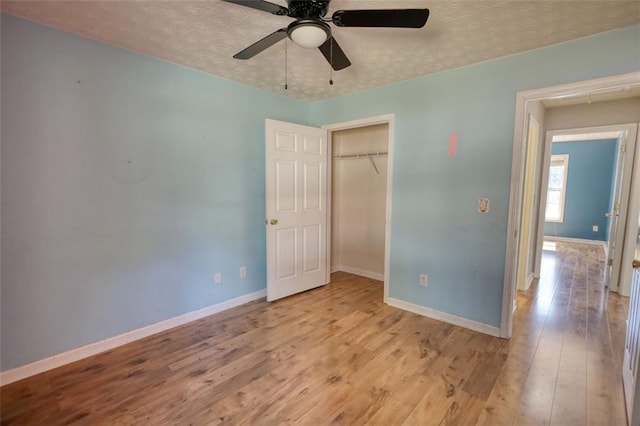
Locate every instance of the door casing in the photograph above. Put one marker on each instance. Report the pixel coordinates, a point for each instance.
(388, 119)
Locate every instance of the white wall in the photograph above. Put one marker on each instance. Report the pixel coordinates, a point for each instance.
(359, 201)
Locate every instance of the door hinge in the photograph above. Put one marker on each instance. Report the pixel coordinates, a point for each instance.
(617, 207)
(623, 148)
(610, 262)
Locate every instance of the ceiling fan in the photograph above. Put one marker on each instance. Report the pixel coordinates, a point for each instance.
(310, 28)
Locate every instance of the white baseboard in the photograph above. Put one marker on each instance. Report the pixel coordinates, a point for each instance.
(575, 240)
(77, 354)
(357, 271)
(445, 317)
(530, 280)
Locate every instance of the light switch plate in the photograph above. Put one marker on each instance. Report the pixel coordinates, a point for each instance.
(483, 205)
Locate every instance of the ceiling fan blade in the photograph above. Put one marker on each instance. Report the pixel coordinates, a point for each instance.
(398, 18)
(331, 48)
(262, 44)
(265, 6)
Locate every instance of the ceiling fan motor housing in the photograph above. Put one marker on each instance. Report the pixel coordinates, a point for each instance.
(307, 9)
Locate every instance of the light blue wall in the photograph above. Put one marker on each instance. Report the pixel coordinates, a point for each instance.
(589, 187)
(435, 228)
(127, 182)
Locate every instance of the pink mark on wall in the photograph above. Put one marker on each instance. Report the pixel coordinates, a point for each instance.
(452, 150)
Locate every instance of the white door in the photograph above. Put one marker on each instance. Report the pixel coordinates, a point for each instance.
(632, 342)
(296, 176)
(527, 222)
(613, 251)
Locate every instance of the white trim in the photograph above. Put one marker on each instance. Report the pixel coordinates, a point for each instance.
(532, 277)
(575, 240)
(358, 271)
(388, 119)
(91, 349)
(522, 101)
(445, 317)
(585, 137)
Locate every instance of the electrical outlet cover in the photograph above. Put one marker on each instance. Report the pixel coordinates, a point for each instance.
(424, 280)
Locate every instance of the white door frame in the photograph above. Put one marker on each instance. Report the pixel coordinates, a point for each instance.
(388, 119)
(523, 99)
(617, 131)
(527, 275)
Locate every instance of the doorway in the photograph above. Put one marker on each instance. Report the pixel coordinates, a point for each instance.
(595, 164)
(532, 102)
(360, 173)
(359, 192)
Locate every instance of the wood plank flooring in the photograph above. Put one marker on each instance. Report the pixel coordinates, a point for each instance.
(338, 355)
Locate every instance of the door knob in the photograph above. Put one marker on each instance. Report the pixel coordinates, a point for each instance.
(273, 221)
(608, 215)
(635, 264)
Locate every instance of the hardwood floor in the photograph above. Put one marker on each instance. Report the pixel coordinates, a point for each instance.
(337, 354)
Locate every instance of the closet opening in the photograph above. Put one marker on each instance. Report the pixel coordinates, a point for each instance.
(360, 200)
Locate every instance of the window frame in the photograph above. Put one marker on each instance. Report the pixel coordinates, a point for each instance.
(556, 160)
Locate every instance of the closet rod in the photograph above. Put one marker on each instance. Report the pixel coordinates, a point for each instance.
(370, 154)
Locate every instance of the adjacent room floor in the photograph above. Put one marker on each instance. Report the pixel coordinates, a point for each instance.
(337, 354)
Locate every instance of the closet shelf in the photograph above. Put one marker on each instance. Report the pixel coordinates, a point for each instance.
(366, 155)
(369, 155)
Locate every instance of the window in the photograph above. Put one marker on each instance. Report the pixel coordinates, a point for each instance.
(557, 188)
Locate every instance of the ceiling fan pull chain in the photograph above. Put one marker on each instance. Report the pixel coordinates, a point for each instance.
(331, 61)
(286, 85)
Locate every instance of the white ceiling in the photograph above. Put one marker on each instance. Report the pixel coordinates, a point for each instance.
(206, 34)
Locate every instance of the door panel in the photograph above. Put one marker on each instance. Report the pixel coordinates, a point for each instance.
(632, 342)
(296, 201)
(285, 141)
(286, 253)
(286, 186)
(313, 145)
(613, 253)
(312, 186)
(312, 242)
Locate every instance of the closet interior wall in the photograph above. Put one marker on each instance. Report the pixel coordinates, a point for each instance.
(359, 192)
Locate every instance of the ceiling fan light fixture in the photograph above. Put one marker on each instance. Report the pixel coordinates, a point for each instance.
(308, 33)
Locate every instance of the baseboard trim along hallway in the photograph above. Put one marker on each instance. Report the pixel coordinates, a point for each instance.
(445, 317)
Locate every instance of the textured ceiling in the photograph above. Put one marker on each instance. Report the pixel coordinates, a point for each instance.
(206, 34)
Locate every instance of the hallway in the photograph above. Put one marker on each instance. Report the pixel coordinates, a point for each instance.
(565, 360)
